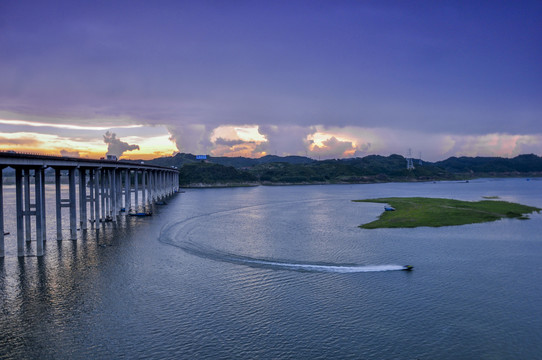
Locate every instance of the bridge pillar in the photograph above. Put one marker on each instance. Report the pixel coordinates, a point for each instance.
(102, 194)
(127, 191)
(136, 184)
(143, 190)
(27, 205)
(43, 217)
(19, 210)
(150, 175)
(82, 199)
(58, 197)
(91, 195)
(40, 210)
(112, 196)
(96, 197)
(108, 194)
(73, 209)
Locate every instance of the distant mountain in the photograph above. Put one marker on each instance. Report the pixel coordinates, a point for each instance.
(373, 168)
(478, 165)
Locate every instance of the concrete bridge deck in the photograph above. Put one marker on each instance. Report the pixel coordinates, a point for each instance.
(105, 188)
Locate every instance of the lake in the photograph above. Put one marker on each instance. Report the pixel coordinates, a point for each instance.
(281, 273)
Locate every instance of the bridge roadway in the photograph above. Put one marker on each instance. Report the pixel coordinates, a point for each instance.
(109, 181)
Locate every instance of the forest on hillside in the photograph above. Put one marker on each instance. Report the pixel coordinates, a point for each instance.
(224, 171)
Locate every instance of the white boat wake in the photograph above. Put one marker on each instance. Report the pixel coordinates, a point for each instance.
(218, 255)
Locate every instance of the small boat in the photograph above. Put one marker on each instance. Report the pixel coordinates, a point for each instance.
(389, 208)
(140, 214)
(408, 267)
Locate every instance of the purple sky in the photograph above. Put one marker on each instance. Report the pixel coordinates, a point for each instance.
(442, 77)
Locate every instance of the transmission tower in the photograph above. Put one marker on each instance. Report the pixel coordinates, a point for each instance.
(421, 158)
(410, 164)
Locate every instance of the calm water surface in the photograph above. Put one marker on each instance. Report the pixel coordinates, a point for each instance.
(281, 272)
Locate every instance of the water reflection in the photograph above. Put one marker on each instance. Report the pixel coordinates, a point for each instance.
(120, 292)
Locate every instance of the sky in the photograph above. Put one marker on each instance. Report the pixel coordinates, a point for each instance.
(324, 79)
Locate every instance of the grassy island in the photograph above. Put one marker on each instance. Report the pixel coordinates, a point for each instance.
(418, 211)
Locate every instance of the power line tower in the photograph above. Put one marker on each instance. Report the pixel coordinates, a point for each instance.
(410, 163)
(421, 158)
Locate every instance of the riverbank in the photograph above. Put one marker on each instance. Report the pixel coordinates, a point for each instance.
(410, 212)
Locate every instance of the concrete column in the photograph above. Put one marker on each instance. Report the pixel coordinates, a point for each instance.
(82, 198)
(161, 184)
(39, 210)
(102, 193)
(58, 193)
(19, 211)
(97, 196)
(2, 251)
(113, 194)
(143, 189)
(27, 205)
(91, 194)
(149, 186)
(43, 217)
(107, 188)
(127, 190)
(73, 209)
(136, 183)
(119, 191)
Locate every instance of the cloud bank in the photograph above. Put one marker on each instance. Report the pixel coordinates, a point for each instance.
(339, 79)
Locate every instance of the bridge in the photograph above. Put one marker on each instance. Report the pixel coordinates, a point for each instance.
(105, 190)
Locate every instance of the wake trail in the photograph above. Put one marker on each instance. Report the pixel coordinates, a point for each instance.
(218, 255)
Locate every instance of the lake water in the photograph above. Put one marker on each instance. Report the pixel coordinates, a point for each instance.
(281, 272)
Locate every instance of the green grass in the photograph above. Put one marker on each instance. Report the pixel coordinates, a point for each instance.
(417, 211)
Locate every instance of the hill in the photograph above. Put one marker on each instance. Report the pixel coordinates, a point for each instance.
(373, 168)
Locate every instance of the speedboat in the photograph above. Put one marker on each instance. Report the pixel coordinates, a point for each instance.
(408, 267)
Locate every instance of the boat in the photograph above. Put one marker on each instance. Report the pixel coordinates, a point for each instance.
(140, 214)
(389, 208)
(408, 267)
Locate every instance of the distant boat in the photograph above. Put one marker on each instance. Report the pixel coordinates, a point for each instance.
(389, 208)
(140, 214)
(408, 267)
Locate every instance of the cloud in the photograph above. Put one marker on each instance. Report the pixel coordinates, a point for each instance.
(221, 141)
(116, 146)
(286, 139)
(67, 153)
(20, 141)
(191, 138)
(386, 77)
(333, 148)
(503, 145)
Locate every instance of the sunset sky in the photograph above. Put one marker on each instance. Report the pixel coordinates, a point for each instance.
(325, 79)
